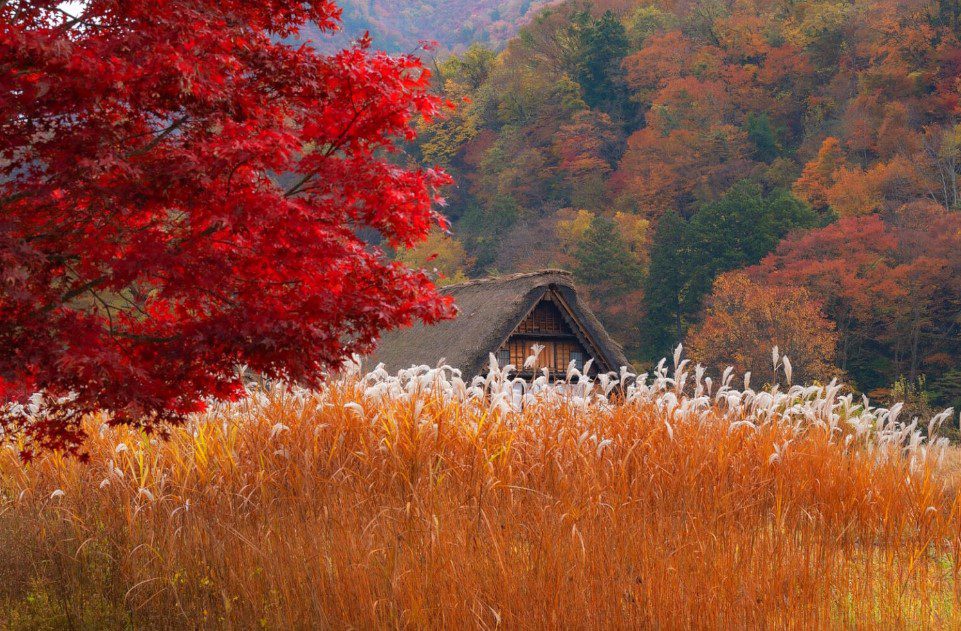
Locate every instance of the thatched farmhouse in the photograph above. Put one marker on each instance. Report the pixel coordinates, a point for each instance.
(507, 316)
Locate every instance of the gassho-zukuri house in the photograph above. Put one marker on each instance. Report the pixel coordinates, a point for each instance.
(507, 316)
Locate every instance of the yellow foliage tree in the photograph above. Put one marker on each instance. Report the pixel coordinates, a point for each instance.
(441, 254)
(572, 227)
(635, 231)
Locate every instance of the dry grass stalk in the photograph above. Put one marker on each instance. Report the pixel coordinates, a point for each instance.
(424, 501)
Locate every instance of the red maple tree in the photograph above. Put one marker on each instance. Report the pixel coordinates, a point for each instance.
(182, 191)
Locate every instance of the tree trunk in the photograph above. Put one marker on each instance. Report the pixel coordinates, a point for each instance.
(915, 343)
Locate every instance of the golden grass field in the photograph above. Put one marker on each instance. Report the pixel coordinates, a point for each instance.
(418, 503)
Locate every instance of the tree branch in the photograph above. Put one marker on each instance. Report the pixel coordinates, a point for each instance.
(139, 337)
(16, 197)
(158, 138)
(75, 20)
(334, 146)
(73, 293)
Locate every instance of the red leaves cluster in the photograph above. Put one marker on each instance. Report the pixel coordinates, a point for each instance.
(181, 192)
(891, 284)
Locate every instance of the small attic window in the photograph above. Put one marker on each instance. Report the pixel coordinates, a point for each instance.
(578, 358)
(503, 357)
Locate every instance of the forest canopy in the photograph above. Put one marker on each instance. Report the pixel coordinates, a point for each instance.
(653, 146)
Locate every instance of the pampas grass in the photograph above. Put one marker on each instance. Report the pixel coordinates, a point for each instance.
(420, 500)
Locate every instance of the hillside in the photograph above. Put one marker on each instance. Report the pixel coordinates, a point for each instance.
(398, 25)
(706, 164)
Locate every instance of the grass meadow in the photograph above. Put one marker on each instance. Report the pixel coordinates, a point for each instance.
(421, 501)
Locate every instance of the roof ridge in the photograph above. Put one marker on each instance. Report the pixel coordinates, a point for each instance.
(510, 277)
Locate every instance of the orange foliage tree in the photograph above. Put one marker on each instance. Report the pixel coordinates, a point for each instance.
(745, 320)
(584, 149)
(819, 175)
(662, 172)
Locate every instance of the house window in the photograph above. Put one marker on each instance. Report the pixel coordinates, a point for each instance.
(544, 327)
(578, 358)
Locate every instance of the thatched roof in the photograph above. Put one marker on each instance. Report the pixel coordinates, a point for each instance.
(489, 310)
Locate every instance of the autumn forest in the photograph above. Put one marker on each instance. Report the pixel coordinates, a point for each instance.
(219, 217)
(732, 175)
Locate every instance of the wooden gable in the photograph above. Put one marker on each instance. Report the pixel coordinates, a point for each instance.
(549, 325)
